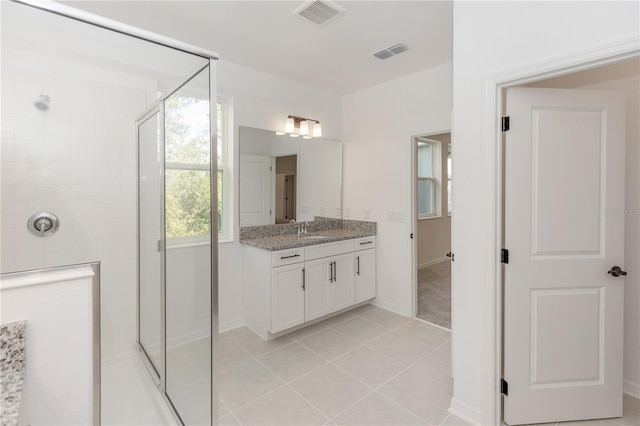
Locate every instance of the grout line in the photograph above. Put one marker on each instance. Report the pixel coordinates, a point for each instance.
(282, 385)
(286, 384)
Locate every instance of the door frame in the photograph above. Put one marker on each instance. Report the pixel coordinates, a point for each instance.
(493, 90)
(414, 215)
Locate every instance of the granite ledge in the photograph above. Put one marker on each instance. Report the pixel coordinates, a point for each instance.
(12, 370)
(289, 241)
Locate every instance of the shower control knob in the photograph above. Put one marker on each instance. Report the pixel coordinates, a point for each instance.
(43, 224)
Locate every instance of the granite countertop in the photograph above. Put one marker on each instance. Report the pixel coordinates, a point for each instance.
(12, 370)
(288, 241)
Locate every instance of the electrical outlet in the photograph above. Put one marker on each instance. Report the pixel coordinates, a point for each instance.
(338, 212)
(367, 214)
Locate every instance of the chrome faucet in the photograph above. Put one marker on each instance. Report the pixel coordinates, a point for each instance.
(302, 228)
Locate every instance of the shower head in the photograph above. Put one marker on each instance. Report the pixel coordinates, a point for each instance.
(42, 102)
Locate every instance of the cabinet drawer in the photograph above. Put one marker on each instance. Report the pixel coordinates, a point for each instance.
(287, 257)
(365, 243)
(329, 249)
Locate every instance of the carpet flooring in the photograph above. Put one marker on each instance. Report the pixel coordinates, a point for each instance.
(434, 294)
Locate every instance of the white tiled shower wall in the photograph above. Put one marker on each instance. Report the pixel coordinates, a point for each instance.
(78, 161)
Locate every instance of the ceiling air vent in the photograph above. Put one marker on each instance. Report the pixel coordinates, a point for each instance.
(391, 51)
(319, 12)
(398, 48)
(383, 54)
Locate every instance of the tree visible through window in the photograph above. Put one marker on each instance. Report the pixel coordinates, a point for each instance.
(187, 167)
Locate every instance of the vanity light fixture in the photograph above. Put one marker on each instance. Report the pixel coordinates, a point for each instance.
(299, 126)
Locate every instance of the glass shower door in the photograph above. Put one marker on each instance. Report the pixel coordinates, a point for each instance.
(188, 229)
(177, 245)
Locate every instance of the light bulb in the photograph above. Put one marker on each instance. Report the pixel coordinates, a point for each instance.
(306, 137)
(304, 127)
(289, 125)
(294, 135)
(317, 130)
(280, 133)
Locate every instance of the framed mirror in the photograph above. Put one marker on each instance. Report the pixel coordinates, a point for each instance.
(285, 179)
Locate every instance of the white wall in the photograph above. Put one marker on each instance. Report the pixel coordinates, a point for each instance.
(491, 38)
(379, 123)
(624, 77)
(262, 101)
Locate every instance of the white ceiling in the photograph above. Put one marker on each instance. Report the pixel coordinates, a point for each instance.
(267, 36)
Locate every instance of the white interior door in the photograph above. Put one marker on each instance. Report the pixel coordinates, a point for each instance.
(563, 313)
(258, 185)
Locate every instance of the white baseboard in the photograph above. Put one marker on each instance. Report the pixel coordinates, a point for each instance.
(391, 307)
(465, 412)
(631, 389)
(230, 325)
(433, 262)
(117, 358)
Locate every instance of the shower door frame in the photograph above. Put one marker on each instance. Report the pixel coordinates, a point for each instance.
(157, 376)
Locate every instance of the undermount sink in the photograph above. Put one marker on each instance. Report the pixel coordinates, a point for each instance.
(312, 237)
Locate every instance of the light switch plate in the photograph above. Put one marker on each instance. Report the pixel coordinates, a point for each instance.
(395, 216)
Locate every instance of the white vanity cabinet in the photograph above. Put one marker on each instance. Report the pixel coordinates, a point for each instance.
(329, 278)
(283, 289)
(365, 268)
(287, 296)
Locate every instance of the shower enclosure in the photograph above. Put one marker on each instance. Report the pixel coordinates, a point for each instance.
(110, 131)
(174, 246)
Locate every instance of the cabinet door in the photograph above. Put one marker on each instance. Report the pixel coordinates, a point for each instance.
(317, 286)
(365, 275)
(287, 297)
(343, 293)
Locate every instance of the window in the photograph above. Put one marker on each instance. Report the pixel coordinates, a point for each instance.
(187, 182)
(428, 152)
(449, 174)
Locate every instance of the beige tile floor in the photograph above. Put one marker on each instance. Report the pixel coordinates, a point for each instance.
(367, 366)
(364, 367)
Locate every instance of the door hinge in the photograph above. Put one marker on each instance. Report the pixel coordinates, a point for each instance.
(451, 255)
(504, 387)
(505, 124)
(411, 236)
(504, 256)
